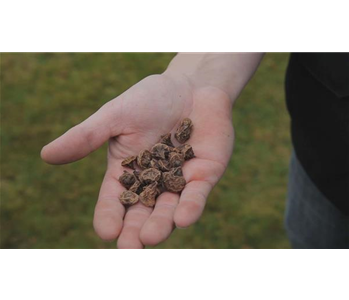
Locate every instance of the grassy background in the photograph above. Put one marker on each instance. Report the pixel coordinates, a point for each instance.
(42, 206)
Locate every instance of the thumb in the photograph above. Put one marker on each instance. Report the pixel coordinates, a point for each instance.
(84, 138)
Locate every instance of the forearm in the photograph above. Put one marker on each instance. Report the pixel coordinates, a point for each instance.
(229, 72)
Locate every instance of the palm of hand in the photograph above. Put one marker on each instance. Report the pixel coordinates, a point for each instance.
(134, 121)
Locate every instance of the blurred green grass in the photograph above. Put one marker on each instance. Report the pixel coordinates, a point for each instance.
(43, 206)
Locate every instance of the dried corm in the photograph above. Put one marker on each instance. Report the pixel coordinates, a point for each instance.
(150, 175)
(129, 198)
(137, 187)
(127, 179)
(173, 183)
(129, 162)
(149, 194)
(184, 130)
(144, 158)
(187, 151)
(160, 151)
(166, 139)
(176, 159)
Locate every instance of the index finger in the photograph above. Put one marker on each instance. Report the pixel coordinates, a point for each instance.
(201, 175)
(192, 203)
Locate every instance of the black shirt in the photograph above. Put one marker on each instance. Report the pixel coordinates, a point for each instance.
(317, 96)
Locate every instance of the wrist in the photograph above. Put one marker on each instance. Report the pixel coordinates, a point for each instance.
(196, 84)
(228, 72)
(198, 88)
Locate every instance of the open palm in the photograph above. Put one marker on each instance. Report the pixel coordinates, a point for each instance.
(134, 121)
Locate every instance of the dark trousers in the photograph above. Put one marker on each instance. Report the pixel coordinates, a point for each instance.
(311, 220)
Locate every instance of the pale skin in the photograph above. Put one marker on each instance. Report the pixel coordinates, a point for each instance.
(202, 87)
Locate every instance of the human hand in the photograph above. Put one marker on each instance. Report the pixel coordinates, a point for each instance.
(134, 121)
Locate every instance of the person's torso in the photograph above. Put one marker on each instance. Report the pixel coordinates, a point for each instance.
(317, 95)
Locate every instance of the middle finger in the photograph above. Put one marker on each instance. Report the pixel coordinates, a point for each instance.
(135, 217)
(160, 224)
